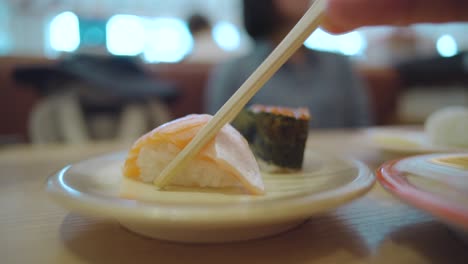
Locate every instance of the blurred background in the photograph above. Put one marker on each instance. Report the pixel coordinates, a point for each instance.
(73, 71)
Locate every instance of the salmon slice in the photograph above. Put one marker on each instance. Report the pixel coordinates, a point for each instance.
(226, 161)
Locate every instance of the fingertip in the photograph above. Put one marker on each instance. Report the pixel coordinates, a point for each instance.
(333, 16)
(334, 9)
(330, 27)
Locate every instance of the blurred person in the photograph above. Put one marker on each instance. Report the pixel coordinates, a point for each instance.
(323, 82)
(346, 15)
(205, 49)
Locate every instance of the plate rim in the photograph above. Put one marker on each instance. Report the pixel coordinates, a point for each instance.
(394, 181)
(94, 205)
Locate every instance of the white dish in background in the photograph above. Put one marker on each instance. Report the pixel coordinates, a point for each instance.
(406, 141)
(93, 187)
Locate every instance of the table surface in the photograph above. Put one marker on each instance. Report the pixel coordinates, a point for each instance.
(376, 228)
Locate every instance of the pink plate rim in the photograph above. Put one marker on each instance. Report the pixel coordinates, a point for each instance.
(395, 182)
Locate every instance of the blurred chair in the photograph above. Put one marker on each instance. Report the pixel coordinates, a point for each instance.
(60, 118)
(435, 71)
(88, 98)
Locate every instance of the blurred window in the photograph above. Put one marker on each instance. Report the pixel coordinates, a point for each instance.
(348, 44)
(125, 35)
(168, 40)
(5, 38)
(64, 32)
(227, 36)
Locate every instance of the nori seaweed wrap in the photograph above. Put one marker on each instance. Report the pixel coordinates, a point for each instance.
(277, 135)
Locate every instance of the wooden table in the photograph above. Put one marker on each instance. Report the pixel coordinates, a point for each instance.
(376, 228)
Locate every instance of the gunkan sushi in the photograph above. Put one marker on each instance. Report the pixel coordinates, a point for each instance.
(277, 135)
(226, 161)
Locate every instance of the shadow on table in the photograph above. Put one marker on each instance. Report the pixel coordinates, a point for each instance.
(421, 243)
(323, 238)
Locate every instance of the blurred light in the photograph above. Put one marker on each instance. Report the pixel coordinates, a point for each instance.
(64, 32)
(168, 40)
(227, 36)
(320, 40)
(5, 42)
(447, 46)
(5, 39)
(125, 35)
(351, 44)
(348, 44)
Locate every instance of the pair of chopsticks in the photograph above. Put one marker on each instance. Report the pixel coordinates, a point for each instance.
(293, 41)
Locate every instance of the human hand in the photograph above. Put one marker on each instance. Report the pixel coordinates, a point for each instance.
(345, 15)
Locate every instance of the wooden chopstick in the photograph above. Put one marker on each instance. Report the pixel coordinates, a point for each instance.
(293, 41)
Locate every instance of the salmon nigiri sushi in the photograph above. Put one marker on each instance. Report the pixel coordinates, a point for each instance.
(226, 161)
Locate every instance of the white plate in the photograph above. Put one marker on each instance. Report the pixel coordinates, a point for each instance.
(95, 187)
(406, 141)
